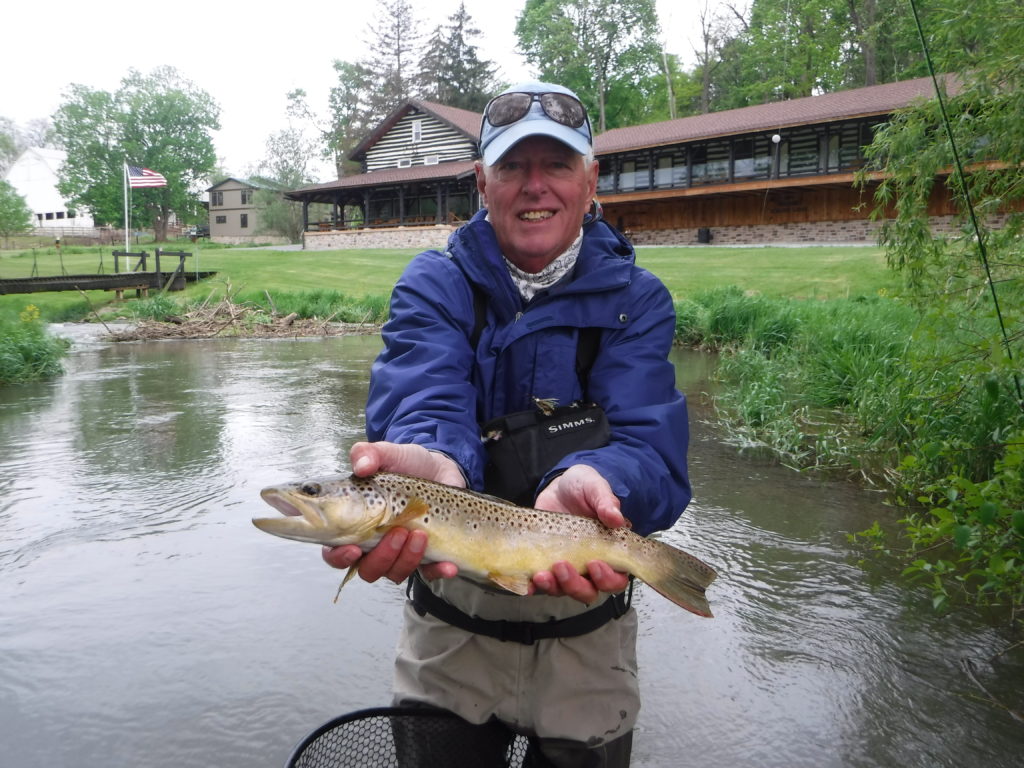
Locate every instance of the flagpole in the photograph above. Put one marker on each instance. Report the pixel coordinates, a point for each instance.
(124, 173)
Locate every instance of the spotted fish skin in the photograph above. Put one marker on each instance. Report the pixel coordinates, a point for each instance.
(489, 539)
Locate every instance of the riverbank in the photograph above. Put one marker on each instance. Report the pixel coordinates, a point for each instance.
(227, 319)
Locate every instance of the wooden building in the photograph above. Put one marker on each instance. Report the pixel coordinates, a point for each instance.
(779, 172)
(417, 172)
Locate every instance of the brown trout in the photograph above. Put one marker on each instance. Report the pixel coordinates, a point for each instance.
(487, 538)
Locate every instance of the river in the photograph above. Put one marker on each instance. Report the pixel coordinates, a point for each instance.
(145, 622)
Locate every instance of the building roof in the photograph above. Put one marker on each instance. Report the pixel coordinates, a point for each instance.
(453, 170)
(827, 107)
(256, 182)
(462, 120)
(777, 116)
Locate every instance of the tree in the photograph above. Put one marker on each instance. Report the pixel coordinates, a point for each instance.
(964, 365)
(604, 50)
(285, 166)
(15, 215)
(389, 72)
(160, 121)
(450, 70)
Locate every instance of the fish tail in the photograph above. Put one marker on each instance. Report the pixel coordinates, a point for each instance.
(680, 577)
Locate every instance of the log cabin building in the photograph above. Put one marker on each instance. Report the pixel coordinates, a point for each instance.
(777, 173)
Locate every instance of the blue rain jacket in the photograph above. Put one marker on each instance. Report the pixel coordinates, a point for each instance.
(430, 387)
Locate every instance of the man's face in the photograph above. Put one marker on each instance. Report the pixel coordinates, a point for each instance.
(537, 195)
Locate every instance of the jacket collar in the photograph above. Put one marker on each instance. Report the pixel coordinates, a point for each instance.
(605, 262)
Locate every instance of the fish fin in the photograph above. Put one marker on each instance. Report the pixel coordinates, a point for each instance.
(348, 577)
(416, 507)
(520, 585)
(679, 576)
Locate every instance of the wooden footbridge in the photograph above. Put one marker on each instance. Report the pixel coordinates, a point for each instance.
(138, 278)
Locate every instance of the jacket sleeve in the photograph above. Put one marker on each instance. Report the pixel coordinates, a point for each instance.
(633, 380)
(421, 388)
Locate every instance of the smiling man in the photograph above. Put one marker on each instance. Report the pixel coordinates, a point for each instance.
(535, 300)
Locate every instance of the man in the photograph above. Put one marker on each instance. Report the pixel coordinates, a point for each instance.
(547, 269)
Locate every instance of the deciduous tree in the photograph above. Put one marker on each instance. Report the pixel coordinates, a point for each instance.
(15, 215)
(160, 121)
(604, 50)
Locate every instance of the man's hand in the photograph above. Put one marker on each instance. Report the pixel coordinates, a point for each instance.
(581, 490)
(400, 552)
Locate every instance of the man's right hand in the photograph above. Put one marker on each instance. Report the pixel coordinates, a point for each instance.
(400, 552)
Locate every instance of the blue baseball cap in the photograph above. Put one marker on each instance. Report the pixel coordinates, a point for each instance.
(495, 141)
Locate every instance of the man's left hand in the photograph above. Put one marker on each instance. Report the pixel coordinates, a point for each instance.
(581, 490)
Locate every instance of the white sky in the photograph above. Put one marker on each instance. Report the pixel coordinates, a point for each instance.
(246, 56)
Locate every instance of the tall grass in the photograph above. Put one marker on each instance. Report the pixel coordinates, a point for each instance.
(27, 352)
(877, 388)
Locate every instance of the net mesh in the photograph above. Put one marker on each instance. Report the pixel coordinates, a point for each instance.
(408, 738)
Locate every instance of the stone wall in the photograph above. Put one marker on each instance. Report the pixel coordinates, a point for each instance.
(250, 240)
(393, 237)
(815, 232)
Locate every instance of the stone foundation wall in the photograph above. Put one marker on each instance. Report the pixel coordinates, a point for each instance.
(858, 231)
(251, 240)
(395, 237)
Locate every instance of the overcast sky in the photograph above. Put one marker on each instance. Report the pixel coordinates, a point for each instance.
(245, 57)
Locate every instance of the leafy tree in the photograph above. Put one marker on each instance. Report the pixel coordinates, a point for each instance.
(604, 50)
(15, 215)
(969, 285)
(9, 144)
(160, 121)
(451, 71)
(285, 166)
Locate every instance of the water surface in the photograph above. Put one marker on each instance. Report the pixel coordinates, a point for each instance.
(144, 621)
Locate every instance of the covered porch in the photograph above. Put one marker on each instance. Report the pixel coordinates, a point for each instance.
(429, 197)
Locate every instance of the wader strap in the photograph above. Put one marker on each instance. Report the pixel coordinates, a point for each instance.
(525, 632)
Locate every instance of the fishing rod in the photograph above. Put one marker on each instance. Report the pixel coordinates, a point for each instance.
(962, 180)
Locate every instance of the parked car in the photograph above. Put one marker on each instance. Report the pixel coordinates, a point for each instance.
(199, 230)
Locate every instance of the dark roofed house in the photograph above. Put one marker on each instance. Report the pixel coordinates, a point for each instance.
(417, 182)
(779, 172)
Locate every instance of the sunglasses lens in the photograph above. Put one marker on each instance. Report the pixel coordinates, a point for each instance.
(508, 108)
(563, 109)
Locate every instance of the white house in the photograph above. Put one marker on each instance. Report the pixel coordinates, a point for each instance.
(34, 177)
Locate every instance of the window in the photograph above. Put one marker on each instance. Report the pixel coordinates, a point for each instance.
(216, 198)
(606, 175)
(431, 160)
(39, 217)
(244, 220)
(417, 131)
(221, 219)
(60, 214)
(72, 213)
(670, 170)
(246, 197)
(405, 162)
(49, 217)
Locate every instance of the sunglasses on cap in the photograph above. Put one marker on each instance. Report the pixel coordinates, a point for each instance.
(560, 107)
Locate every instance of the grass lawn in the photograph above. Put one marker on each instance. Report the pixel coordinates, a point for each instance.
(822, 272)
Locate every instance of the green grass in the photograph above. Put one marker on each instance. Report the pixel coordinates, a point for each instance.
(818, 272)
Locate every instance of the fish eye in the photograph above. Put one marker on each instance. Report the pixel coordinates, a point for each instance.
(311, 489)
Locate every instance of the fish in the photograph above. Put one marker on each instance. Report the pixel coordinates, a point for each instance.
(489, 539)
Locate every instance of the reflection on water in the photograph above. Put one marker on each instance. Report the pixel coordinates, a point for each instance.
(146, 622)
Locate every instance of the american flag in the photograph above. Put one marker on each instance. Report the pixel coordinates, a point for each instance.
(143, 177)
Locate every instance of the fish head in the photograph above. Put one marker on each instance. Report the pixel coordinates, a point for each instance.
(331, 511)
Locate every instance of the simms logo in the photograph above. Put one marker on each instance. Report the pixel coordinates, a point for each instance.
(554, 429)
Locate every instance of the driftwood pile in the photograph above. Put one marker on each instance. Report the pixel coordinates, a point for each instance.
(229, 319)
